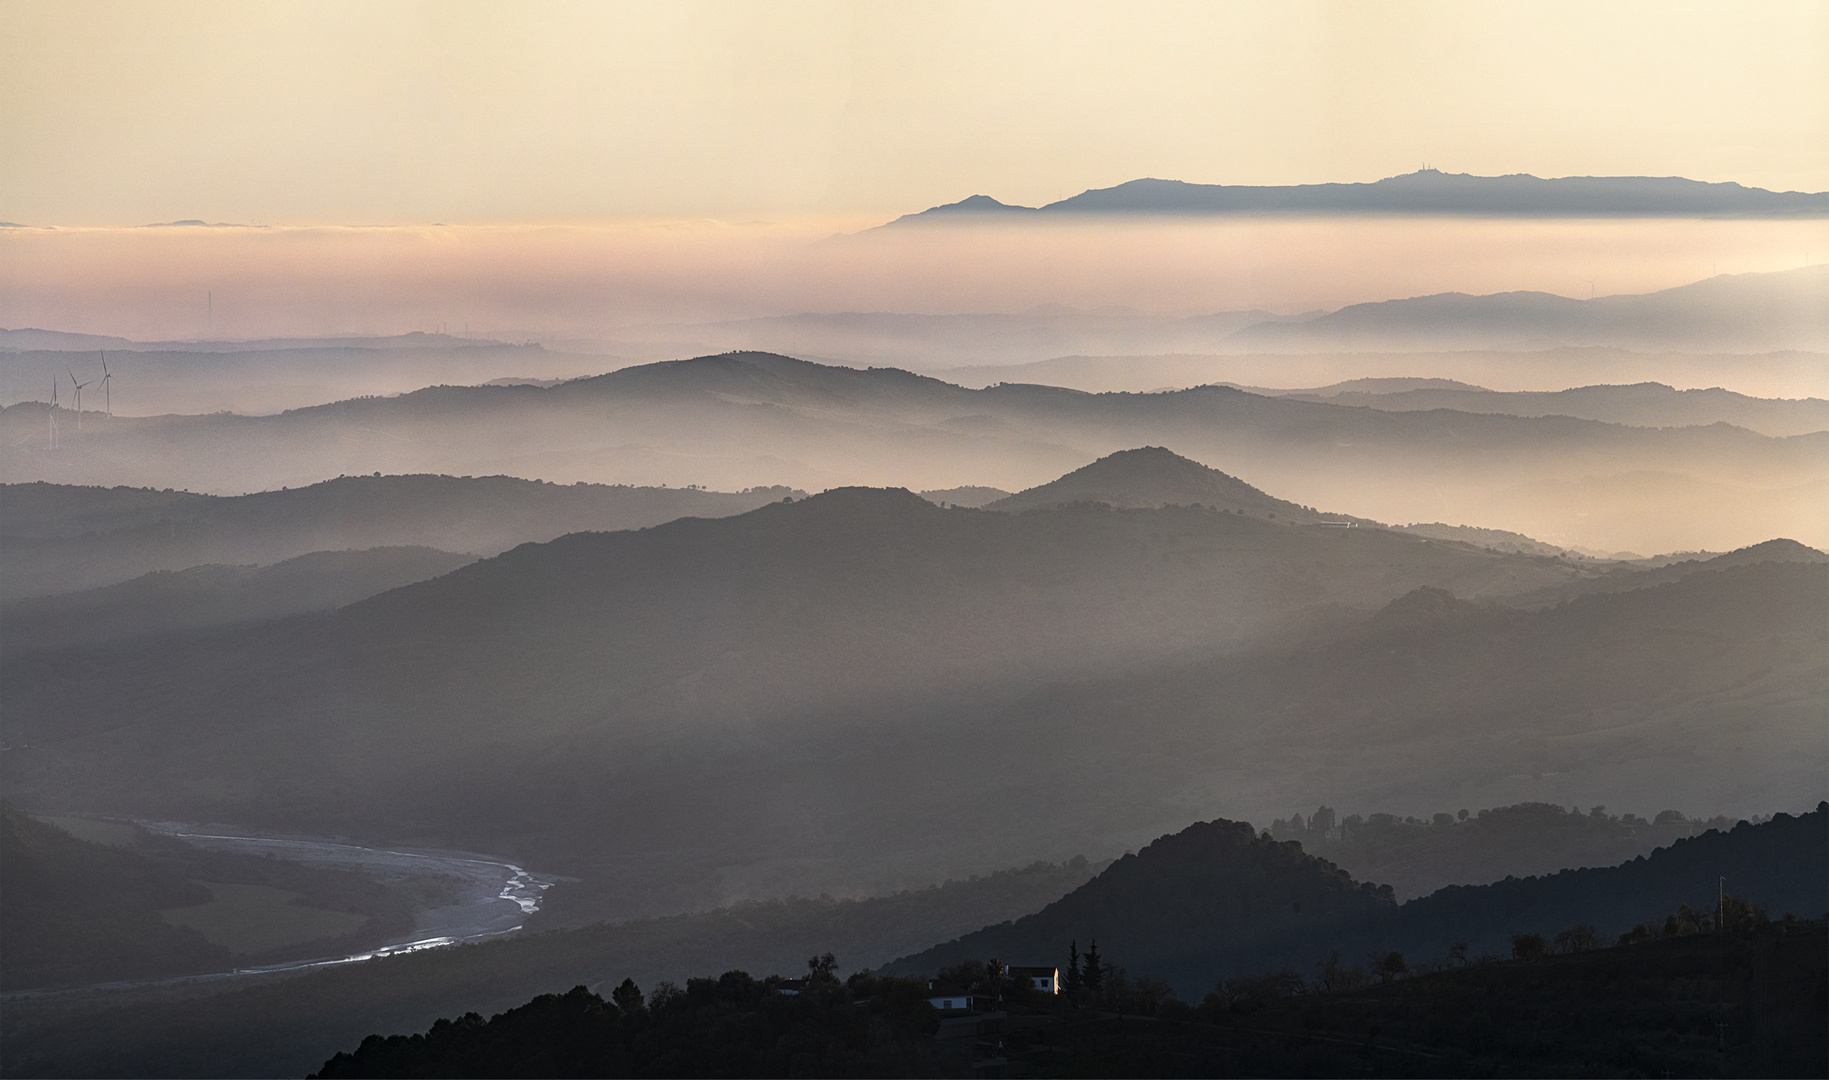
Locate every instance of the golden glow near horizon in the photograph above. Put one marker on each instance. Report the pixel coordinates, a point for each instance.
(409, 113)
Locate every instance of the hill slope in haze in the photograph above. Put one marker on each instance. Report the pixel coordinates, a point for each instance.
(1158, 364)
(1787, 309)
(58, 538)
(737, 420)
(1713, 685)
(157, 378)
(834, 693)
(73, 911)
(1641, 404)
(784, 658)
(215, 595)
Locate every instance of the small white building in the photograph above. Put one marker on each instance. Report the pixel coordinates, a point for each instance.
(948, 998)
(1045, 979)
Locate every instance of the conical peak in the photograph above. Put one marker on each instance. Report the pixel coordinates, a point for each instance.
(1148, 476)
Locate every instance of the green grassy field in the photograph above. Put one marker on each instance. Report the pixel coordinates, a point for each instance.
(249, 919)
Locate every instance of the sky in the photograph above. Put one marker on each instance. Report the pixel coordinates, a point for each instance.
(570, 168)
(409, 113)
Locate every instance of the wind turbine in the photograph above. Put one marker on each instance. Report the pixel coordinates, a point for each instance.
(79, 400)
(107, 394)
(52, 413)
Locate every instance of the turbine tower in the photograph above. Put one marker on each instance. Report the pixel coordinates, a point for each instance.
(107, 394)
(79, 400)
(51, 413)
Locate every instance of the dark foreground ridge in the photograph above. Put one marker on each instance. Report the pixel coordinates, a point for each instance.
(1748, 1004)
(1708, 988)
(1216, 900)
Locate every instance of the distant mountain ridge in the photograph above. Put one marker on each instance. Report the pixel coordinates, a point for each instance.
(1424, 192)
(1646, 404)
(739, 420)
(1737, 312)
(28, 338)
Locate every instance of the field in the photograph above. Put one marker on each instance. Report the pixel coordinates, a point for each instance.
(247, 919)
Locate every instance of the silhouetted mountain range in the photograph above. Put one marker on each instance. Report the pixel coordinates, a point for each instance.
(798, 686)
(1217, 900)
(1716, 323)
(738, 420)
(856, 615)
(1166, 365)
(1424, 192)
(1641, 405)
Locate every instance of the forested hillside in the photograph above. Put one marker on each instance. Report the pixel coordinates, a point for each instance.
(1218, 901)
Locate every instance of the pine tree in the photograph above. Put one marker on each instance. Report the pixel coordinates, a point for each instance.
(627, 996)
(1073, 969)
(1094, 974)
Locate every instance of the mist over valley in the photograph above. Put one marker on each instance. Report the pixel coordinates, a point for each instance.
(1178, 628)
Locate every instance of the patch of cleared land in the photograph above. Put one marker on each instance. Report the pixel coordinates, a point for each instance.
(248, 919)
(105, 833)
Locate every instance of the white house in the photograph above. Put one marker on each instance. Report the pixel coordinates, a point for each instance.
(1045, 979)
(948, 998)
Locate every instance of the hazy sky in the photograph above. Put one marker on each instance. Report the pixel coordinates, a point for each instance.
(409, 113)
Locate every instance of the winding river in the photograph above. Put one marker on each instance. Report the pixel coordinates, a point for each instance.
(493, 897)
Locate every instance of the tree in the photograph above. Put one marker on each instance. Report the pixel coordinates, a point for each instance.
(1094, 974)
(1012, 989)
(627, 997)
(666, 992)
(1682, 922)
(1740, 917)
(1528, 946)
(970, 975)
(1334, 974)
(1073, 982)
(1388, 965)
(1579, 938)
(823, 970)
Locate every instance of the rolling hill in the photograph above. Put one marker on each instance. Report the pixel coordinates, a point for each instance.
(602, 670)
(60, 538)
(215, 595)
(836, 692)
(739, 420)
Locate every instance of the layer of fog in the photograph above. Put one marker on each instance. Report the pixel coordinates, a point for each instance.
(635, 281)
